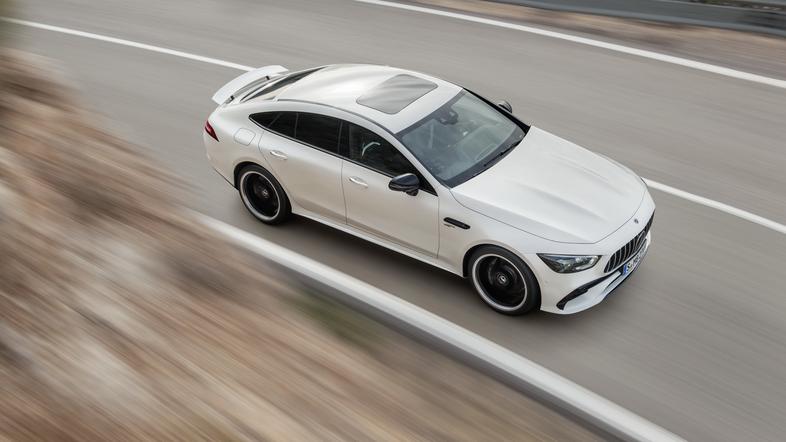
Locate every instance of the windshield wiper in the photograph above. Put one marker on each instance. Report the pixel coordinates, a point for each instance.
(502, 153)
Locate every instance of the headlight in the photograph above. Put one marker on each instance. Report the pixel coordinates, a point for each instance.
(569, 263)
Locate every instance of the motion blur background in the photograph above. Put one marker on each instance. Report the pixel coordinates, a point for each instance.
(121, 316)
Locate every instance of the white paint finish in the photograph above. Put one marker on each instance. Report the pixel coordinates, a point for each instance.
(588, 210)
(720, 70)
(538, 377)
(554, 189)
(227, 90)
(411, 221)
(311, 177)
(244, 136)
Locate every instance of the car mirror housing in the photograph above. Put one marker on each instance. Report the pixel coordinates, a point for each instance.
(505, 105)
(406, 182)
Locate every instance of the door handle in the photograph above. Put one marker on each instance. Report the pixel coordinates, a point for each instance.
(358, 181)
(278, 154)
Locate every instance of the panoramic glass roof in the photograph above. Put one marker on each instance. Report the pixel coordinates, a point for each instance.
(396, 93)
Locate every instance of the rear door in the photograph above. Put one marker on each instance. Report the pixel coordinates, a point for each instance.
(371, 161)
(302, 149)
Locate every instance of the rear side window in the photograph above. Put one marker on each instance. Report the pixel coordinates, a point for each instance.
(318, 130)
(265, 119)
(284, 124)
(280, 122)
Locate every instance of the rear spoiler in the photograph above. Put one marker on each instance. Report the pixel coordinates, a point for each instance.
(267, 72)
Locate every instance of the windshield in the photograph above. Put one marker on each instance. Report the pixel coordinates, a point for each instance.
(462, 138)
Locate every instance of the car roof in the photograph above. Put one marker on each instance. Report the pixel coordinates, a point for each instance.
(391, 97)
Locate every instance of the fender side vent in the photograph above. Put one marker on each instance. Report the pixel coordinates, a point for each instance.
(457, 223)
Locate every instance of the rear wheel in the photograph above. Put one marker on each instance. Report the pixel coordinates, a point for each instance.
(262, 195)
(504, 281)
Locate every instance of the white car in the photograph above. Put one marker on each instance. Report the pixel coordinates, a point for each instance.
(436, 172)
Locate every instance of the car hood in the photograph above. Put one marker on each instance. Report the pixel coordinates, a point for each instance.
(556, 190)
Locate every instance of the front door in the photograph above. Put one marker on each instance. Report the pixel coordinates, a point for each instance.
(407, 220)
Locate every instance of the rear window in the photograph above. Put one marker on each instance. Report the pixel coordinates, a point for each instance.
(270, 90)
(396, 93)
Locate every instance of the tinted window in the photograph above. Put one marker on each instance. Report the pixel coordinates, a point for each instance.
(318, 130)
(271, 89)
(369, 149)
(284, 124)
(265, 119)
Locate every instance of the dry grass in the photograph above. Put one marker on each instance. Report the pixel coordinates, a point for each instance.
(123, 319)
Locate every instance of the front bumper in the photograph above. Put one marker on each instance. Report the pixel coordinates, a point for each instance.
(592, 293)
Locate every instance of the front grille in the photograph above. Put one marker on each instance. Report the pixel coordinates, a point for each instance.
(622, 255)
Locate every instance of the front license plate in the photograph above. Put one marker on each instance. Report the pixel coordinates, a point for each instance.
(633, 262)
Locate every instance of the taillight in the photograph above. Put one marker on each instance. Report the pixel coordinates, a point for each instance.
(210, 131)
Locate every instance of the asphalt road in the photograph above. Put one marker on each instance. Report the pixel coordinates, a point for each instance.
(695, 341)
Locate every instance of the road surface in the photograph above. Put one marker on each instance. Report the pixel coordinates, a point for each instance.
(695, 341)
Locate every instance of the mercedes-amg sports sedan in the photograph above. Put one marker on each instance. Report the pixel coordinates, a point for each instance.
(436, 172)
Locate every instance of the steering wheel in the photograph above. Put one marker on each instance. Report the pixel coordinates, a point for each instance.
(367, 146)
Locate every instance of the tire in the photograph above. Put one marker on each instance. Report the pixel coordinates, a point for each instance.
(503, 281)
(262, 195)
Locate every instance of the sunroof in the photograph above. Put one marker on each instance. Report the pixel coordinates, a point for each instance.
(396, 93)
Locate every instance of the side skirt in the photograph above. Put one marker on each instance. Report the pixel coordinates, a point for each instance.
(376, 240)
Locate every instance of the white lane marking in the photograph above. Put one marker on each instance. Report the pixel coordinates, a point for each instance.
(720, 70)
(130, 43)
(770, 224)
(601, 410)
(739, 213)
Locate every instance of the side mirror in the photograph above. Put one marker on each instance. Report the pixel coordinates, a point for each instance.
(505, 105)
(407, 182)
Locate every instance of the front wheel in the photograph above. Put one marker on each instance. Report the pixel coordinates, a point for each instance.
(504, 281)
(262, 195)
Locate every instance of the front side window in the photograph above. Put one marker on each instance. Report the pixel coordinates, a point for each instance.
(369, 149)
(462, 138)
(318, 130)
